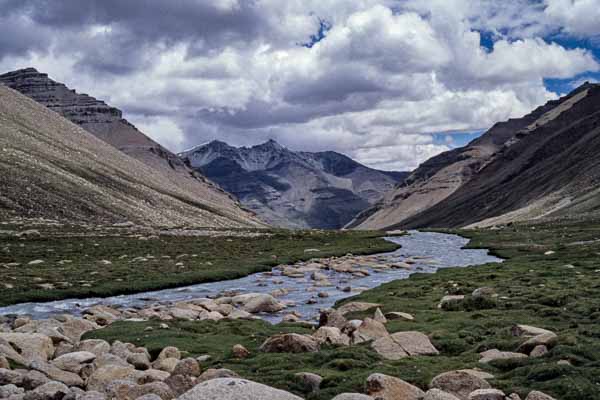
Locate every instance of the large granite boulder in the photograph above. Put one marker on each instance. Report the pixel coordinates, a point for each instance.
(235, 389)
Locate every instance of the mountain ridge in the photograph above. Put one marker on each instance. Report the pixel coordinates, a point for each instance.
(107, 123)
(469, 172)
(287, 188)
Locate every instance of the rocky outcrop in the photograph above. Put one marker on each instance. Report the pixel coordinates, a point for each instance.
(70, 174)
(293, 189)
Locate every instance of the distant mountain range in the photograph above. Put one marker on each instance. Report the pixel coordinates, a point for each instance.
(293, 189)
(56, 170)
(545, 165)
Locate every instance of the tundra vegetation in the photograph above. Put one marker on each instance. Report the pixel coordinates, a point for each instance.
(549, 280)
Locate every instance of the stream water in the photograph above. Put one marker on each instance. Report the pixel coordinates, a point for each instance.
(430, 251)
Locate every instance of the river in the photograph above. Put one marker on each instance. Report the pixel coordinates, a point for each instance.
(429, 251)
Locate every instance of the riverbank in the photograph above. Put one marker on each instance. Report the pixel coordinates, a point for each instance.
(550, 280)
(47, 262)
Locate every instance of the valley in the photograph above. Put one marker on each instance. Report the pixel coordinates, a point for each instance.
(130, 272)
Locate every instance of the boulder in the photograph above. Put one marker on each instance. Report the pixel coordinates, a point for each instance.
(332, 318)
(545, 339)
(539, 351)
(368, 330)
(101, 377)
(450, 301)
(33, 379)
(379, 317)
(10, 377)
(155, 375)
(387, 387)
(535, 395)
(169, 352)
(9, 353)
(484, 292)
(57, 374)
(184, 313)
(263, 303)
(10, 390)
(126, 390)
(96, 346)
(29, 346)
(528, 331)
(395, 315)
(74, 328)
(166, 364)
(4, 363)
(63, 348)
(459, 383)
(331, 335)
(102, 315)
(179, 384)
(437, 394)
(387, 348)
(91, 395)
(352, 396)
(495, 354)
(49, 391)
(140, 361)
(414, 343)
(239, 351)
(356, 306)
(110, 359)
(290, 343)
(187, 367)
(240, 314)
(47, 327)
(235, 389)
(149, 397)
(212, 373)
(74, 362)
(487, 394)
(310, 383)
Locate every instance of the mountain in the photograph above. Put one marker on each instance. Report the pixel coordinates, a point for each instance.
(293, 189)
(544, 165)
(52, 168)
(107, 123)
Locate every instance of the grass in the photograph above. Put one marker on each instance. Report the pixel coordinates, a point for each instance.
(170, 261)
(558, 291)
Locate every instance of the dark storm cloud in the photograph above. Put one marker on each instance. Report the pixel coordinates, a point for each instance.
(135, 29)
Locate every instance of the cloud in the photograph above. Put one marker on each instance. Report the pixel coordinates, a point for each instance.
(578, 17)
(385, 79)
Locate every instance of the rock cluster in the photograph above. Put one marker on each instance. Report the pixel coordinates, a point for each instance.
(536, 343)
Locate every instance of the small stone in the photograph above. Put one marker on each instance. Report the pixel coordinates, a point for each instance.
(240, 351)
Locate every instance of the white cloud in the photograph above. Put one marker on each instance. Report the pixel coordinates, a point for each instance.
(578, 17)
(385, 79)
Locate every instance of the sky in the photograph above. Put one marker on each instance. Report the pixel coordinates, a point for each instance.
(387, 82)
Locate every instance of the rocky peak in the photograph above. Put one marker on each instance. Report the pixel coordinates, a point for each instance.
(77, 107)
